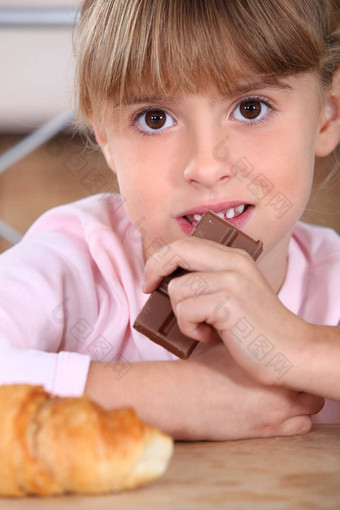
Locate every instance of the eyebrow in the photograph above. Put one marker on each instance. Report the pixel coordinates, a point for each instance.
(239, 89)
(245, 88)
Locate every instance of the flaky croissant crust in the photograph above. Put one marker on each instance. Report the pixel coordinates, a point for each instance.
(51, 445)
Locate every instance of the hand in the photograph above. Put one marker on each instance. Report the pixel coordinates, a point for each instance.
(230, 405)
(227, 293)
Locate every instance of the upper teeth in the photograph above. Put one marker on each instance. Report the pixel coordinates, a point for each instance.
(227, 215)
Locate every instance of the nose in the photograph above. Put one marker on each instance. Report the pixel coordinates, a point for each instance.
(209, 162)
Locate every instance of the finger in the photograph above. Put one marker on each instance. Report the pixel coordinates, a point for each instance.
(300, 424)
(192, 312)
(203, 332)
(309, 404)
(193, 254)
(195, 284)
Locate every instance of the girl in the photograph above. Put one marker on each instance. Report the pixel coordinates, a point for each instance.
(196, 105)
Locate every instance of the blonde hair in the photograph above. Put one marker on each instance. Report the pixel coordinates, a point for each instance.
(127, 49)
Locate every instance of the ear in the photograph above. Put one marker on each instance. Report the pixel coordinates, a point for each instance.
(329, 130)
(104, 145)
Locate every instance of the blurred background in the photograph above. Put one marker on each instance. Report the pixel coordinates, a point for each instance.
(43, 163)
(36, 70)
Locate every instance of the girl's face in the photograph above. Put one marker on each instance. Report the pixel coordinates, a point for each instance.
(248, 156)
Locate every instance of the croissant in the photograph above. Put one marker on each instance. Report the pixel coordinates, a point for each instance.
(51, 445)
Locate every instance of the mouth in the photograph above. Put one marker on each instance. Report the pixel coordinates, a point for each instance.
(228, 214)
(236, 214)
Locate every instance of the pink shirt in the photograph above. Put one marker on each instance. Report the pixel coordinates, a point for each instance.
(72, 290)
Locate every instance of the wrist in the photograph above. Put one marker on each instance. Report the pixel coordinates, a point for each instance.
(159, 391)
(289, 364)
(319, 372)
(301, 356)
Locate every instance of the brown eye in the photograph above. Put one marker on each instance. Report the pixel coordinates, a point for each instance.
(155, 119)
(250, 109)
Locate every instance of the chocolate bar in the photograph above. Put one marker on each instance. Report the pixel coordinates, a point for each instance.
(157, 320)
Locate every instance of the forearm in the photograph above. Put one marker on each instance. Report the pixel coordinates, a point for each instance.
(207, 397)
(315, 368)
(154, 389)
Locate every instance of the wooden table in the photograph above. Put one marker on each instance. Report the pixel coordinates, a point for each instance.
(295, 473)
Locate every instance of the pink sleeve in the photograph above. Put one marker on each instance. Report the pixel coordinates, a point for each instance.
(63, 374)
(41, 290)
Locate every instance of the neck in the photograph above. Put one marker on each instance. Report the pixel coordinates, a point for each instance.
(274, 265)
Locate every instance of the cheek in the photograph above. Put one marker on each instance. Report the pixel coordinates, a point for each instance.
(289, 164)
(298, 171)
(299, 154)
(286, 163)
(143, 195)
(147, 181)
(130, 169)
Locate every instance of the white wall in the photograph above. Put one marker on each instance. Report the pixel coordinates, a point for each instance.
(36, 70)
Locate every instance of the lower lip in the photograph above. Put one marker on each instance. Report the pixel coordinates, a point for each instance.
(238, 221)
